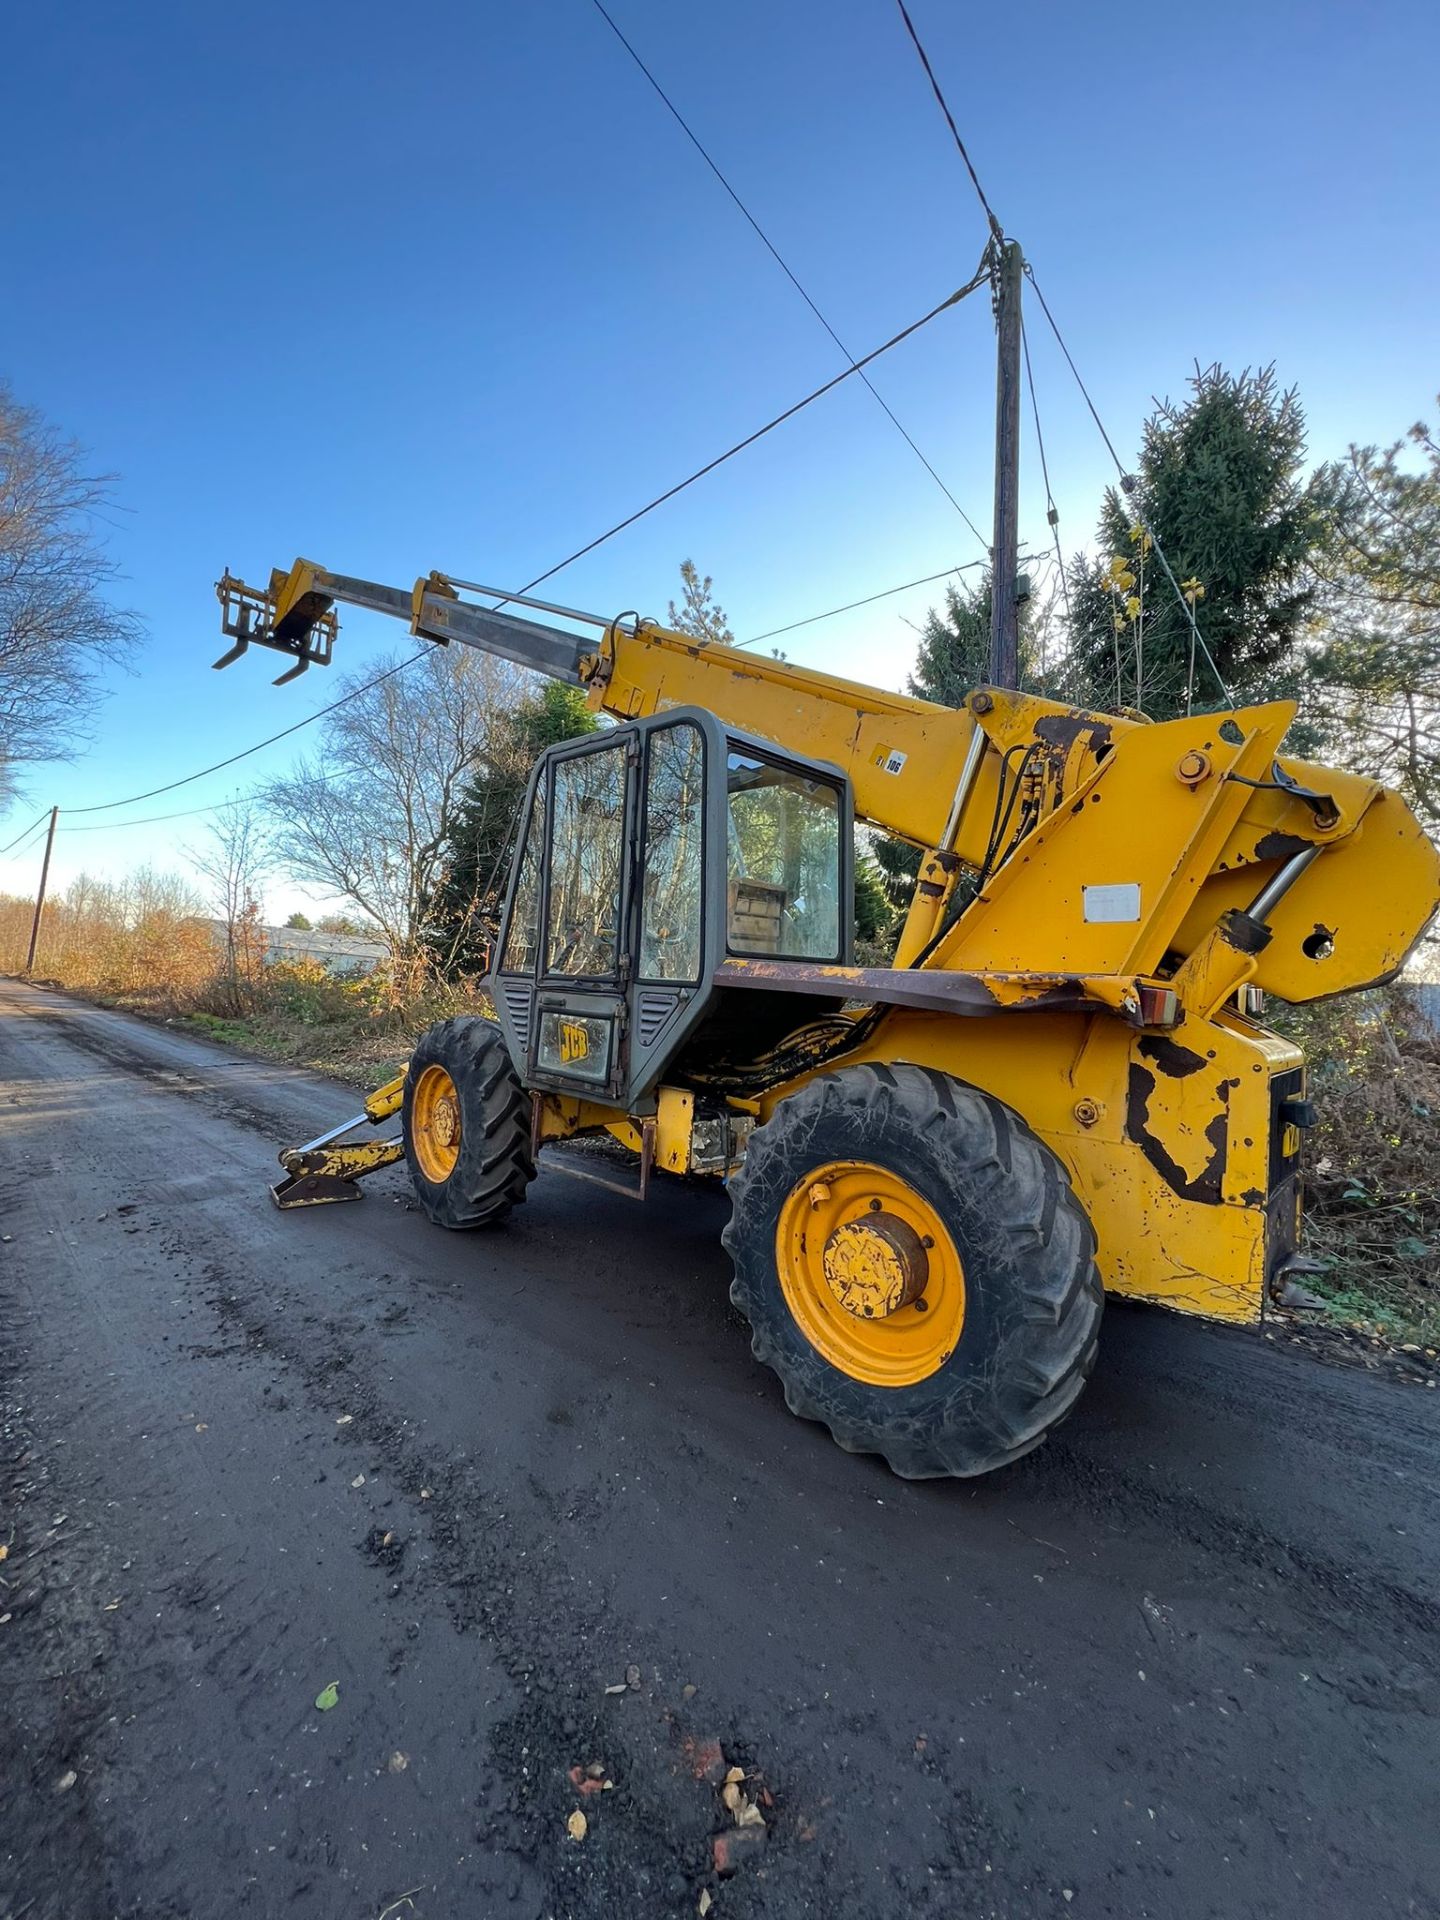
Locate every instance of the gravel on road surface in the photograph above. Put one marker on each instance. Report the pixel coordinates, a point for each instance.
(348, 1562)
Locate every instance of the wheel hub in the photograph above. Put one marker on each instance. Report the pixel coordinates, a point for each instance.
(435, 1124)
(876, 1265)
(870, 1272)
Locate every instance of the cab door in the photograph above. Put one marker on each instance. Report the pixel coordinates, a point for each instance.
(578, 1037)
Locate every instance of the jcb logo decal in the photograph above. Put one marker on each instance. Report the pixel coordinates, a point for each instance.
(574, 1041)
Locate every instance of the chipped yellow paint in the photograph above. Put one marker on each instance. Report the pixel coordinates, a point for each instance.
(674, 1118)
(346, 1160)
(386, 1100)
(1154, 1244)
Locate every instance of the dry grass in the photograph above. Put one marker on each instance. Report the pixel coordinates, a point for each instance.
(360, 1031)
(145, 945)
(143, 938)
(1373, 1161)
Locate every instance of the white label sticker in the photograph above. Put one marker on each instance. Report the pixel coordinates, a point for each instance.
(1120, 902)
(894, 761)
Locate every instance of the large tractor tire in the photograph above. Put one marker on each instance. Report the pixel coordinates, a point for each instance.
(915, 1267)
(467, 1125)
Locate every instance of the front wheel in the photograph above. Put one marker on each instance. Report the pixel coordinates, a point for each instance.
(466, 1123)
(916, 1268)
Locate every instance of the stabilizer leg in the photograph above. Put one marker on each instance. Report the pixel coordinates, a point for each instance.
(328, 1168)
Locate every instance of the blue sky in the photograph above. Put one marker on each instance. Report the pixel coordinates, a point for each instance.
(444, 286)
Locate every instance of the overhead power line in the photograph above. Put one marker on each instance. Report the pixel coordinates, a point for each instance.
(944, 106)
(26, 832)
(1130, 488)
(149, 819)
(784, 265)
(106, 806)
(1069, 361)
(856, 366)
(885, 593)
(1052, 512)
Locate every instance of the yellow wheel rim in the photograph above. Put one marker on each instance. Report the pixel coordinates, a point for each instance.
(870, 1274)
(435, 1124)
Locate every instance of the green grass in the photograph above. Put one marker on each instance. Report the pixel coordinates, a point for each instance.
(1355, 1298)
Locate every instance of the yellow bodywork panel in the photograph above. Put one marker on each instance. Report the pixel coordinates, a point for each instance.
(1166, 1139)
(563, 1116)
(1198, 813)
(386, 1100)
(903, 755)
(1121, 807)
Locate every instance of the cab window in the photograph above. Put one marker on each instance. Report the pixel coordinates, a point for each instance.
(587, 850)
(671, 904)
(783, 884)
(522, 936)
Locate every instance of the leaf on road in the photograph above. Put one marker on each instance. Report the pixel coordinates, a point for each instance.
(705, 1902)
(327, 1696)
(577, 1826)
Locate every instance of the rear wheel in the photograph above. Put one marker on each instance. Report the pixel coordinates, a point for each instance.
(916, 1268)
(466, 1123)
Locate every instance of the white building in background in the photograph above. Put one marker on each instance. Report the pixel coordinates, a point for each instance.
(338, 953)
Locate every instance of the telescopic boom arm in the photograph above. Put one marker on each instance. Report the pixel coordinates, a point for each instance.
(1103, 845)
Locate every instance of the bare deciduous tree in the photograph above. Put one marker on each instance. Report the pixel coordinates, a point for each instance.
(367, 818)
(57, 626)
(234, 861)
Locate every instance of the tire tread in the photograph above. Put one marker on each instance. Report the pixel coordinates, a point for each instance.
(1042, 1235)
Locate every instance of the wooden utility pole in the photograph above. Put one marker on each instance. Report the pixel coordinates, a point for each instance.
(1004, 607)
(40, 896)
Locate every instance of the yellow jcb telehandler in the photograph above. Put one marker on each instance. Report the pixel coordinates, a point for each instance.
(1062, 1085)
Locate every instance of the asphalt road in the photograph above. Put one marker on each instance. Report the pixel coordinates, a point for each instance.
(1181, 1662)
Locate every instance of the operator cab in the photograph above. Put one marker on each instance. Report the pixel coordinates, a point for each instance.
(652, 853)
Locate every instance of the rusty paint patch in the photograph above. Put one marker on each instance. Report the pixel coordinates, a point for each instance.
(932, 988)
(1171, 1058)
(1205, 1187)
(1064, 729)
(1276, 845)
